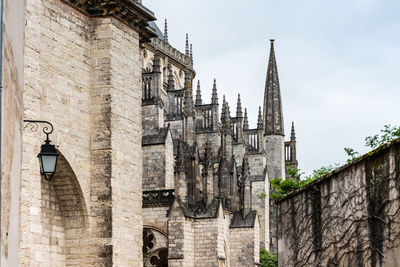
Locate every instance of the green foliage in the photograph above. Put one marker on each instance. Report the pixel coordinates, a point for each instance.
(351, 153)
(263, 195)
(293, 172)
(324, 170)
(283, 187)
(387, 134)
(267, 259)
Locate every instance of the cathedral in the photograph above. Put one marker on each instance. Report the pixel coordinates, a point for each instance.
(206, 171)
(145, 171)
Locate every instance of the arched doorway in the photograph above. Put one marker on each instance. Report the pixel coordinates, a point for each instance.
(64, 218)
(155, 247)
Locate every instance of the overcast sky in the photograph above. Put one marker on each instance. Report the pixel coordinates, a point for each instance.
(338, 63)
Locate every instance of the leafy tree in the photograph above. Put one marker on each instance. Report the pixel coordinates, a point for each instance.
(267, 259)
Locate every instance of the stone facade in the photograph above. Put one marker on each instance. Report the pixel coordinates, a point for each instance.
(347, 218)
(11, 132)
(146, 173)
(220, 212)
(83, 73)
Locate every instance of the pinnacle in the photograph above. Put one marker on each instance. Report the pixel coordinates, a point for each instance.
(214, 97)
(239, 113)
(166, 31)
(187, 45)
(198, 94)
(245, 121)
(260, 119)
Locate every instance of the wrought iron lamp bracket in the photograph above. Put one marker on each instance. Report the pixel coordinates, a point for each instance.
(47, 129)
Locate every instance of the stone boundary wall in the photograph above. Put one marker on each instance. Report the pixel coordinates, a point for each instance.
(350, 217)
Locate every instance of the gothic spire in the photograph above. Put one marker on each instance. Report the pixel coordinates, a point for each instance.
(260, 119)
(191, 52)
(245, 120)
(198, 94)
(187, 45)
(156, 63)
(166, 31)
(273, 115)
(171, 82)
(214, 97)
(239, 113)
(292, 134)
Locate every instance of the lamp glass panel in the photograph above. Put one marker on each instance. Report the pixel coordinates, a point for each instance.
(49, 163)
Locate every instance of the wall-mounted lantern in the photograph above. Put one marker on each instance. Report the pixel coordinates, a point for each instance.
(48, 155)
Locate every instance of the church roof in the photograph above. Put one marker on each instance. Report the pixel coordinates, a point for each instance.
(155, 139)
(238, 221)
(153, 25)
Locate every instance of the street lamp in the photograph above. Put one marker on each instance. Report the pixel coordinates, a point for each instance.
(48, 155)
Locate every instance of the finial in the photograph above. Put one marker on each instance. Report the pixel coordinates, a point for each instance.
(293, 134)
(166, 31)
(239, 113)
(198, 94)
(171, 82)
(191, 52)
(187, 45)
(260, 119)
(245, 120)
(156, 63)
(214, 97)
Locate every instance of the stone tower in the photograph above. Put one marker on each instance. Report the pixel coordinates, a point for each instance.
(274, 135)
(273, 117)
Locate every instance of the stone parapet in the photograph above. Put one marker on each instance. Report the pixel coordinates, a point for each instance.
(172, 52)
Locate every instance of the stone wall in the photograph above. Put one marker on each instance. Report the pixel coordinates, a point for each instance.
(244, 246)
(350, 217)
(83, 75)
(261, 205)
(158, 165)
(156, 217)
(11, 134)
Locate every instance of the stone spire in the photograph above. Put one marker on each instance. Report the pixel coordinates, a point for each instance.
(260, 119)
(214, 97)
(156, 63)
(292, 134)
(166, 31)
(239, 113)
(187, 45)
(171, 82)
(245, 120)
(191, 52)
(198, 94)
(273, 115)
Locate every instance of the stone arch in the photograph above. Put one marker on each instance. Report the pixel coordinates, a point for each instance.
(64, 218)
(155, 247)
